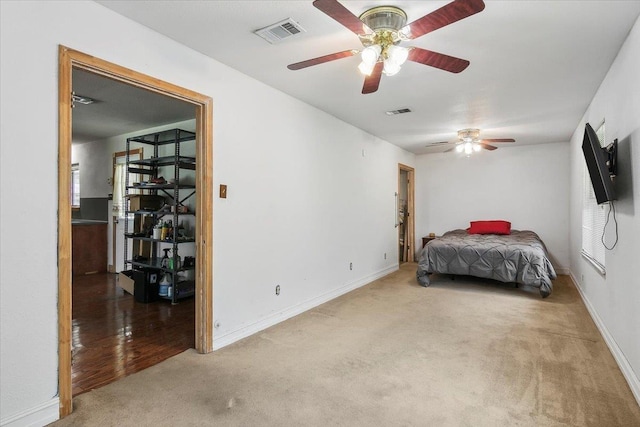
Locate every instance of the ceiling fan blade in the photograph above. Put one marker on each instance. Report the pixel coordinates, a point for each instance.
(321, 59)
(450, 149)
(437, 60)
(341, 14)
(487, 146)
(498, 140)
(447, 14)
(372, 82)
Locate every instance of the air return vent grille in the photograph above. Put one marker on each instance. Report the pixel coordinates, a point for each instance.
(431, 144)
(280, 31)
(400, 111)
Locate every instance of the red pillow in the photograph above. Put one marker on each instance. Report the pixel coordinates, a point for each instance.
(490, 227)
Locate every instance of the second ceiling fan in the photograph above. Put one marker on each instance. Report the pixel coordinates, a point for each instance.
(382, 29)
(469, 141)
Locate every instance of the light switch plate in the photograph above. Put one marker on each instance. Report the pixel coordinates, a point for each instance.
(223, 191)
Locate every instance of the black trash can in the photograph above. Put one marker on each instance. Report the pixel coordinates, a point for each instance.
(145, 286)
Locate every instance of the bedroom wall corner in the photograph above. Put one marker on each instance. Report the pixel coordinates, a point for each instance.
(539, 204)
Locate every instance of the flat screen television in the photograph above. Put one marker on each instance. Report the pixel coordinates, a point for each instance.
(601, 164)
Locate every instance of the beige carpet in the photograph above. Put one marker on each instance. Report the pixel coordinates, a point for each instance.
(459, 353)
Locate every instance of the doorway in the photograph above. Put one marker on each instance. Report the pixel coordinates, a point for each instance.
(406, 211)
(69, 60)
(116, 332)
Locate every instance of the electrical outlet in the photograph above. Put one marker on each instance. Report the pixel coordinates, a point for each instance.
(350, 266)
(278, 290)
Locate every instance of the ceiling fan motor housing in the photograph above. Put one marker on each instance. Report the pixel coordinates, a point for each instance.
(386, 23)
(468, 135)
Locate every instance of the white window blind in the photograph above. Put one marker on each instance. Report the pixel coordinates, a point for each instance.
(119, 177)
(593, 218)
(75, 185)
(119, 190)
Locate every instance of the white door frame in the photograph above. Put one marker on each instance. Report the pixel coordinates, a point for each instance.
(411, 228)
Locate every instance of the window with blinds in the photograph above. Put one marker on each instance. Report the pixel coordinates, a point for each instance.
(593, 218)
(119, 179)
(119, 201)
(75, 186)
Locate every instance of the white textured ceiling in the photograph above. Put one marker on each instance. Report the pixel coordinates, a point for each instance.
(535, 65)
(120, 108)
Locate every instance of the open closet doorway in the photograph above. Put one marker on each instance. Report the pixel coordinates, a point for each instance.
(71, 64)
(406, 208)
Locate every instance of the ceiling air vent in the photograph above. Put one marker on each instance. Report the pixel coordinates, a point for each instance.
(400, 111)
(281, 30)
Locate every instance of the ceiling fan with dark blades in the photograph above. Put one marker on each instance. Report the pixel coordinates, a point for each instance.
(469, 141)
(382, 29)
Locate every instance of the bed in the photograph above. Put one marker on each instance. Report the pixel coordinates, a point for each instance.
(519, 257)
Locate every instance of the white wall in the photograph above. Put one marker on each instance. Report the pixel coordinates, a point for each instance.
(272, 230)
(527, 185)
(614, 300)
(95, 162)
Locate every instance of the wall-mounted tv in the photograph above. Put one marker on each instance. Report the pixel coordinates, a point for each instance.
(601, 164)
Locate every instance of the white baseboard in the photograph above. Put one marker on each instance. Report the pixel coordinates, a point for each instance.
(562, 270)
(618, 355)
(37, 416)
(233, 336)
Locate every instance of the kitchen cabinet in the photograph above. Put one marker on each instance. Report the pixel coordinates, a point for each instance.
(88, 247)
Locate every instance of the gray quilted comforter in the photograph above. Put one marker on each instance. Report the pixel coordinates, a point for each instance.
(520, 257)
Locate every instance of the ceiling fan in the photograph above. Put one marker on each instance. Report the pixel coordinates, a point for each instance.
(469, 141)
(382, 29)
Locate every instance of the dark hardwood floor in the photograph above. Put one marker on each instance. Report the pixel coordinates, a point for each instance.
(114, 336)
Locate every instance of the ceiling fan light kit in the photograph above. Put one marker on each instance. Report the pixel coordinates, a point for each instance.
(381, 29)
(468, 148)
(469, 142)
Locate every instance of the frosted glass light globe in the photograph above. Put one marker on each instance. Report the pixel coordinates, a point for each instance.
(370, 54)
